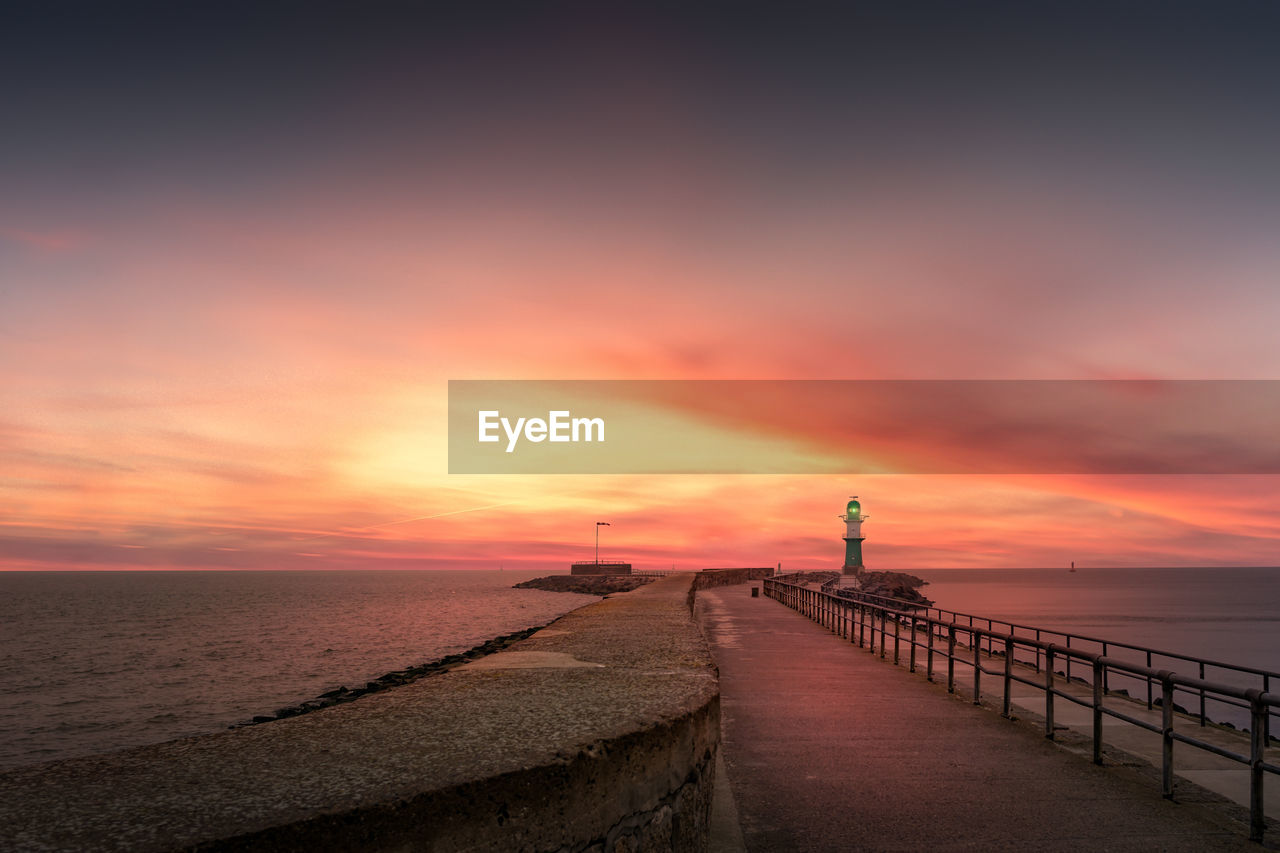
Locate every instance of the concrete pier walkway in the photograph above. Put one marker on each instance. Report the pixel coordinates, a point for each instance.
(829, 748)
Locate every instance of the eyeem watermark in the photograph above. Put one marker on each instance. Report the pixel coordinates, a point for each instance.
(864, 427)
(559, 426)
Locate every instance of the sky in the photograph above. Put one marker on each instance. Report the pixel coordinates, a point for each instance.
(244, 247)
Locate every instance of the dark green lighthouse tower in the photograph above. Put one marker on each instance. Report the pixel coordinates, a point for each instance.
(853, 519)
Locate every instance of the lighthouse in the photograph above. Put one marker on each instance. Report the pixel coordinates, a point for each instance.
(853, 519)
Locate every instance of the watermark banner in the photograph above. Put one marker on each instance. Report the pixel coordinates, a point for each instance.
(864, 426)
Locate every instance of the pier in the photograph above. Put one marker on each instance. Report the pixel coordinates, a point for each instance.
(828, 747)
(692, 715)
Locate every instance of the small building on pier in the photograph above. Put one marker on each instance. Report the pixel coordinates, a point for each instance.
(600, 567)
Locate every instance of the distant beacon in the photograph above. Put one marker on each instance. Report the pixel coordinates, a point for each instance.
(853, 519)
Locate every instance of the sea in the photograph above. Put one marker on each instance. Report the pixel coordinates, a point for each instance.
(92, 662)
(1226, 615)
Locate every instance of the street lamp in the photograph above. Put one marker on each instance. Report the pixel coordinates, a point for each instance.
(599, 524)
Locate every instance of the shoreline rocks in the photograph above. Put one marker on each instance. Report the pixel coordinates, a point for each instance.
(886, 584)
(391, 679)
(586, 584)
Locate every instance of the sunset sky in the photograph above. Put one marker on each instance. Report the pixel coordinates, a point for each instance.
(243, 252)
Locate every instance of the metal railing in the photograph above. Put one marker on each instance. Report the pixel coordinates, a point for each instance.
(1150, 658)
(861, 617)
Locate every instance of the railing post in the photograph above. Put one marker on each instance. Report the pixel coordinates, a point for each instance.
(1257, 743)
(1008, 674)
(1266, 718)
(975, 640)
(1150, 705)
(897, 638)
(929, 657)
(1106, 673)
(951, 658)
(1048, 693)
(1166, 732)
(1097, 708)
(862, 625)
(884, 632)
(1202, 695)
(913, 642)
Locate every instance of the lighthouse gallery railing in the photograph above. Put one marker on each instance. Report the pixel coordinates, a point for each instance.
(861, 618)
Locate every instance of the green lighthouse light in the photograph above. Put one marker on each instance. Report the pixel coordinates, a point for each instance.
(854, 509)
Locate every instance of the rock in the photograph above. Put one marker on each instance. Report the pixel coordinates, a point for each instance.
(393, 679)
(1159, 702)
(586, 584)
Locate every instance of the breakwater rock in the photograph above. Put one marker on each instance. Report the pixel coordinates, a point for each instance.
(898, 585)
(586, 584)
(392, 679)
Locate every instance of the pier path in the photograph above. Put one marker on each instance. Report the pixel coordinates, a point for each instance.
(827, 748)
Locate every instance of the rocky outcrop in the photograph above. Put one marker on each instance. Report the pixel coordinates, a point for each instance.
(586, 584)
(898, 585)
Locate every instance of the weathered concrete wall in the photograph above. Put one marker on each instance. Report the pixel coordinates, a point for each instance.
(597, 733)
(720, 577)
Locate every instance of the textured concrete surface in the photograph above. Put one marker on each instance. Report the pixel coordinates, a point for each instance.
(830, 748)
(601, 729)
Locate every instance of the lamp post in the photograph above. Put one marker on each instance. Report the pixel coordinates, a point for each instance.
(599, 524)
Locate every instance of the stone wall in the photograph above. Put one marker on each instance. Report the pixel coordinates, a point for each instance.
(597, 733)
(721, 577)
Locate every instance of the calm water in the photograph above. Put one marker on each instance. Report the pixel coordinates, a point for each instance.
(91, 662)
(1225, 614)
(96, 661)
